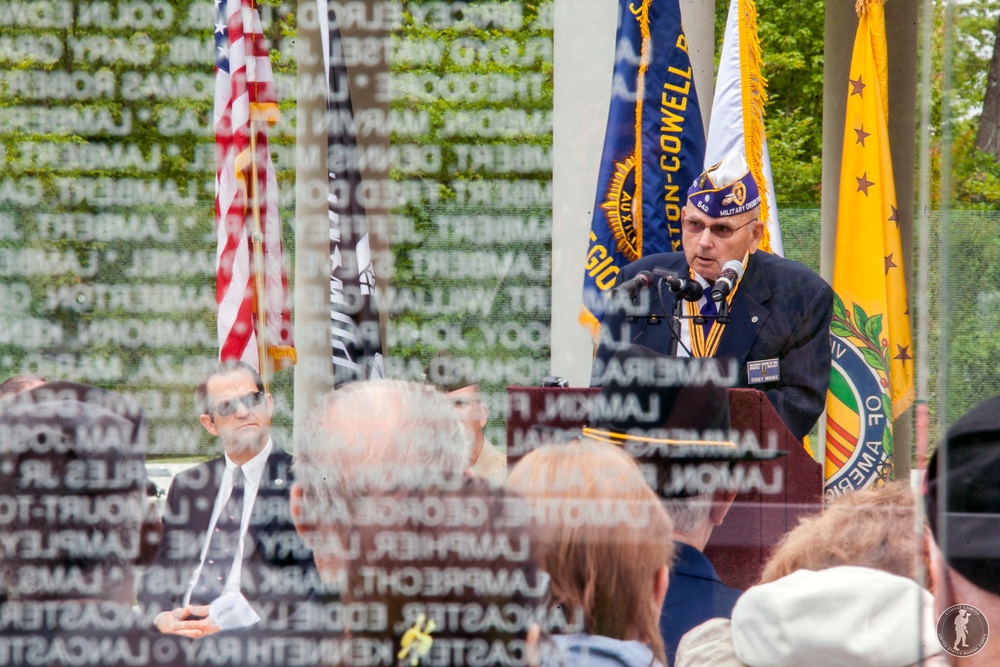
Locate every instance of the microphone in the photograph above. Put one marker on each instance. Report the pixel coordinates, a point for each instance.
(688, 289)
(732, 271)
(691, 290)
(642, 280)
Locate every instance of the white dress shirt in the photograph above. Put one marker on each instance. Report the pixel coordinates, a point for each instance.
(253, 471)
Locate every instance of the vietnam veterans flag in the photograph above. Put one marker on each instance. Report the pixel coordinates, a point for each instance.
(872, 378)
(251, 285)
(738, 112)
(654, 146)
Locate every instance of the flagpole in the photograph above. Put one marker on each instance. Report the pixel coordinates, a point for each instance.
(257, 236)
(924, 234)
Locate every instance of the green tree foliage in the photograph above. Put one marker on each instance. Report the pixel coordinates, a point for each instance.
(106, 223)
(962, 325)
(975, 176)
(791, 39)
(431, 309)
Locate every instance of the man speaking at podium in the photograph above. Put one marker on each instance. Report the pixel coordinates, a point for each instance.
(770, 314)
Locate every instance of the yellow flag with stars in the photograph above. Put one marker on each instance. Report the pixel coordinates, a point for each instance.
(871, 382)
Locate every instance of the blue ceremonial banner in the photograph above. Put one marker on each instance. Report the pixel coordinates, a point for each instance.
(654, 148)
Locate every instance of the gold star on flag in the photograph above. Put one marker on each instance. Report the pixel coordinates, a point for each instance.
(864, 183)
(857, 87)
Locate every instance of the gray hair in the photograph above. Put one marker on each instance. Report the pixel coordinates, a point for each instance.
(380, 435)
(689, 513)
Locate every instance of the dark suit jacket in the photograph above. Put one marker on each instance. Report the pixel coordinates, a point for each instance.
(278, 569)
(695, 595)
(781, 311)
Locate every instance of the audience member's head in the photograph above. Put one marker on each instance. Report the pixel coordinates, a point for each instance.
(446, 576)
(604, 537)
(367, 439)
(963, 510)
(963, 496)
(841, 615)
(451, 376)
(72, 463)
(838, 590)
(873, 528)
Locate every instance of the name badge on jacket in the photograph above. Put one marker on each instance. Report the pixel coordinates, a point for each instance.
(765, 370)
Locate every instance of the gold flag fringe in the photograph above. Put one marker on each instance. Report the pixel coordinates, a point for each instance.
(640, 92)
(862, 6)
(265, 111)
(754, 97)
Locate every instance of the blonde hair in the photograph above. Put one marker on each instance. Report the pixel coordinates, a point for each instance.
(870, 528)
(604, 536)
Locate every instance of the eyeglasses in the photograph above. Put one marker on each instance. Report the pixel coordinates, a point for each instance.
(718, 231)
(226, 408)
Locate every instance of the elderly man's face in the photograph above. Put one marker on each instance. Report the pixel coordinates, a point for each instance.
(318, 504)
(711, 242)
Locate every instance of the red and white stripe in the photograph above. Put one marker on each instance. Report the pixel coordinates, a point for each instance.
(244, 91)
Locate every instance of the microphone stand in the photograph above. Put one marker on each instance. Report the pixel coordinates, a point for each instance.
(723, 315)
(674, 319)
(675, 322)
(678, 315)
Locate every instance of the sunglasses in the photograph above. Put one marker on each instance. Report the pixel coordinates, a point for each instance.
(250, 401)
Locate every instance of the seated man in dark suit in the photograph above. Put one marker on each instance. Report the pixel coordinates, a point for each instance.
(230, 554)
(696, 592)
(779, 311)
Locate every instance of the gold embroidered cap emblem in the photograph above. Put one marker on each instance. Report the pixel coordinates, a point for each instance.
(738, 195)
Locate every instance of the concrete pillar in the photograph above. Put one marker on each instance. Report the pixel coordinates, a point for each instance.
(698, 17)
(314, 370)
(840, 26)
(902, 37)
(583, 54)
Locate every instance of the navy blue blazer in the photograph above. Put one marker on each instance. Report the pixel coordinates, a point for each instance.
(695, 595)
(278, 569)
(781, 311)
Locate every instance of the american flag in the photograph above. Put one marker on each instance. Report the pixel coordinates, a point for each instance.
(245, 102)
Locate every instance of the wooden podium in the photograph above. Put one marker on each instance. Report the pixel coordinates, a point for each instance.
(790, 486)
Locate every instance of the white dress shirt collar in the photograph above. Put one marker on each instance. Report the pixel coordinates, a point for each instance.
(253, 469)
